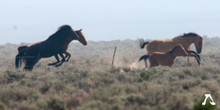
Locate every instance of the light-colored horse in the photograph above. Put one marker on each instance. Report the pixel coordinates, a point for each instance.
(165, 58)
(160, 45)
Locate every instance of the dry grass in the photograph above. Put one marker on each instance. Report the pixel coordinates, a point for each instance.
(89, 82)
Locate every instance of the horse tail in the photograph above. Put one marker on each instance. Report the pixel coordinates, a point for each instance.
(142, 43)
(145, 43)
(144, 57)
(22, 48)
(18, 58)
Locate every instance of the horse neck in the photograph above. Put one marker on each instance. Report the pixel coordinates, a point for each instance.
(66, 42)
(173, 53)
(190, 40)
(63, 40)
(184, 41)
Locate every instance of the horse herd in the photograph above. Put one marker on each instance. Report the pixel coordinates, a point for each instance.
(160, 52)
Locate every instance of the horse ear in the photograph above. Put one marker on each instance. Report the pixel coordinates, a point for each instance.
(79, 30)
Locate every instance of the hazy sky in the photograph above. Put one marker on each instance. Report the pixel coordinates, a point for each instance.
(35, 20)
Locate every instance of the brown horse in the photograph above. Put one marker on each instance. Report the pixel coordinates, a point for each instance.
(185, 40)
(81, 39)
(165, 58)
(56, 44)
(67, 54)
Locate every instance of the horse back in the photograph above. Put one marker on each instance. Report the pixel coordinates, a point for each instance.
(163, 58)
(160, 45)
(43, 48)
(22, 48)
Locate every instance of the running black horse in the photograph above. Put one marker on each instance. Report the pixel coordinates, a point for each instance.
(56, 44)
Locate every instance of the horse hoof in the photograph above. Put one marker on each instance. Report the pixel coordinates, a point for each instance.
(199, 58)
(50, 64)
(57, 65)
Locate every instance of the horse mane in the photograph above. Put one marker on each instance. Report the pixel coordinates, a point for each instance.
(64, 27)
(60, 29)
(190, 34)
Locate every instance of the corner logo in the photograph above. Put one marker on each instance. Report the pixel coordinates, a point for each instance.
(206, 97)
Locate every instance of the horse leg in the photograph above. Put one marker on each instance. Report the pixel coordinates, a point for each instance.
(145, 61)
(193, 55)
(58, 60)
(67, 54)
(19, 58)
(63, 60)
(153, 62)
(30, 62)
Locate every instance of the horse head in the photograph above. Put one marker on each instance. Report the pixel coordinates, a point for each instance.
(179, 50)
(81, 37)
(198, 44)
(68, 32)
(196, 39)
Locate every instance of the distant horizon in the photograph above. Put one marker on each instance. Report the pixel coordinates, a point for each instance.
(75, 41)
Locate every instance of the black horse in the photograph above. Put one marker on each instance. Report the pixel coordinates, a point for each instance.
(56, 44)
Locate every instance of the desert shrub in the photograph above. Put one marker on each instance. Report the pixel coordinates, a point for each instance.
(41, 104)
(114, 69)
(86, 81)
(204, 77)
(115, 103)
(155, 94)
(135, 98)
(70, 78)
(103, 93)
(56, 103)
(2, 106)
(45, 87)
(20, 94)
(26, 106)
(211, 86)
(77, 98)
(83, 73)
(125, 60)
(134, 72)
(126, 69)
(136, 106)
(103, 79)
(138, 80)
(129, 89)
(190, 83)
(11, 76)
(58, 86)
(73, 103)
(211, 69)
(24, 82)
(94, 105)
(123, 78)
(178, 101)
(120, 76)
(146, 75)
(188, 71)
(207, 106)
(85, 85)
